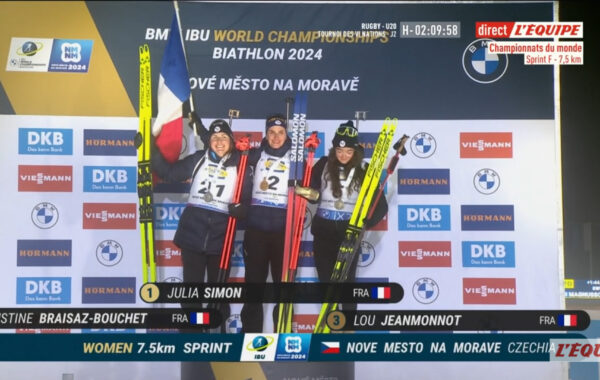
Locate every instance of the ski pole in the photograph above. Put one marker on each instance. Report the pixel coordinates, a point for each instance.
(243, 145)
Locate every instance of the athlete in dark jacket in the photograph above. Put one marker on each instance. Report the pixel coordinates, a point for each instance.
(201, 230)
(265, 223)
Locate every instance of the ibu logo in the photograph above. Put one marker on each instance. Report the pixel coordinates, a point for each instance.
(424, 217)
(45, 141)
(166, 215)
(120, 179)
(43, 290)
(488, 254)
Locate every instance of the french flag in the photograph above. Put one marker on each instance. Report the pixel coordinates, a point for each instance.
(200, 318)
(173, 91)
(381, 292)
(567, 320)
(330, 347)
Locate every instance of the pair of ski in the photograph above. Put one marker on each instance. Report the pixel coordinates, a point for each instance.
(144, 181)
(300, 173)
(364, 208)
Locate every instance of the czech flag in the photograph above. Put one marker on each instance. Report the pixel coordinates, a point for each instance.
(200, 318)
(381, 292)
(330, 347)
(173, 91)
(567, 319)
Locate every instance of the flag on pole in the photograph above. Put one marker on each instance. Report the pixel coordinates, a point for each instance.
(173, 91)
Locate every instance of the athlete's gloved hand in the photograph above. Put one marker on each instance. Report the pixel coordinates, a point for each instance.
(307, 193)
(238, 210)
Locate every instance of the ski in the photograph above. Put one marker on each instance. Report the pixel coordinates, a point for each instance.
(144, 178)
(355, 229)
(286, 310)
(296, 130)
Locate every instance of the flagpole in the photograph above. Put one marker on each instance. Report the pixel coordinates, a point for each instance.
(176, 4)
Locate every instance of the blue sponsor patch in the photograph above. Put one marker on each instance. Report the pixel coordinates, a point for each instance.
(237, 256)
(306, 256)
(45, 141)
(109, 142)
(487, 217)
(423, 181)
(44, 253)
(424, 217)
(43, 290)
(70, 56)
(110, 179)
(293, 347)
(166, 215)
(108, 290)
(488, 254)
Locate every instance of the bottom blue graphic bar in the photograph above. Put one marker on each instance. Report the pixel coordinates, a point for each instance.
(275, 347)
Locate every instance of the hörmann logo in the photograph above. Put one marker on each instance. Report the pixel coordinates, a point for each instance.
(487, 217)
(167, 254)
(109, 142)
(486, 145)
(45, 141)
(44, 253)
(497, 291)
(47, 178)
(488, 254)
(424, 217)
(108, 290)
(368, 140)
(110, 179)
(423, 181)
(43, 290)
(109, 216)
(424, 254)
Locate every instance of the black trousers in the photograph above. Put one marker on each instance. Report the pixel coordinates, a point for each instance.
(325, 252)
(198, 266)
(263, 250)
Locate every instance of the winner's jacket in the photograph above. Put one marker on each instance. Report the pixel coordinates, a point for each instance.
(330, 220)
(203, 223)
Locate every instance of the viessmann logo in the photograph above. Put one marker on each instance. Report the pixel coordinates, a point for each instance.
(497, 291)
(486, 145)
(424, 254)
(167, 254)
(46, 178)
(109, 216)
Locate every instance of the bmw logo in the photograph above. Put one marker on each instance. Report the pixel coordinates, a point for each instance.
(367, 254)
(482, 66)
(44, 215)
(423, 145)
(172, 279)
(486, 181)
(233, 324)
(109, 253)
(425, 290)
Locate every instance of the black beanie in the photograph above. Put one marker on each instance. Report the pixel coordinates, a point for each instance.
(346, 136)
(275, 120)
(220, 125)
